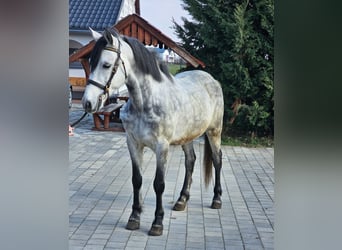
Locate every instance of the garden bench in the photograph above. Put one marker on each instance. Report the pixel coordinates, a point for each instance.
(107, 114)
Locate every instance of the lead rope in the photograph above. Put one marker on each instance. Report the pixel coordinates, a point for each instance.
(79, 120)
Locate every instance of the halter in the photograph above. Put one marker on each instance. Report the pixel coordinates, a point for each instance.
(106, 87)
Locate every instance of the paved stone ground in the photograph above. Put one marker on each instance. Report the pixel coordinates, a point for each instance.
(100, 194)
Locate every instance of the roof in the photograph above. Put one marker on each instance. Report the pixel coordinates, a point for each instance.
(135, 26)
(97, 14)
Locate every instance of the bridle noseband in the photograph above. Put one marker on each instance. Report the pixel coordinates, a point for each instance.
(106, 87)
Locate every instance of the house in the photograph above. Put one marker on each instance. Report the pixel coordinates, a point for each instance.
(97, 14)
(120, 14)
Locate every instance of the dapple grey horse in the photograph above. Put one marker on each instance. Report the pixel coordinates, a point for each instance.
(162, 110)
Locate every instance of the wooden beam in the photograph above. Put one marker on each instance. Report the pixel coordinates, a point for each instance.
(86, 67)
(147, 38)
(141, 34)
(82, 52)
(77, 81)
(154, 41)
(134, 30)
(127, 30)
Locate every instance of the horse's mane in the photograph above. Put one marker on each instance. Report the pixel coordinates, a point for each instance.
(147, 61)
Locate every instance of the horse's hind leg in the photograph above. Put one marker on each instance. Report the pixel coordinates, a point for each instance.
(136, 153)
(190, 158)
(214, 140)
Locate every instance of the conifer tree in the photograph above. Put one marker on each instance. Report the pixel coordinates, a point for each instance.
(234, 38)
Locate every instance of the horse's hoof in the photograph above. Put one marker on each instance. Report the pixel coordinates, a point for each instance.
(217, 204)
(133, 224)
(179, 206)
(156, 230)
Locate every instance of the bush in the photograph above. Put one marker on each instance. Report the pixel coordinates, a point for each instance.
(235, 41)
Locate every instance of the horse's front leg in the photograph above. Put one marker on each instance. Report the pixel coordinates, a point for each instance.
(136, 153)
(162, 150)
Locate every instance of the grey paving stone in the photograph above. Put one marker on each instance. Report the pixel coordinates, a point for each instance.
(100, 196)
(93, 247)
(75, 248)
(77, 242)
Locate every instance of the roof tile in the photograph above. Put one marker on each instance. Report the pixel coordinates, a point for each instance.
(97, 14)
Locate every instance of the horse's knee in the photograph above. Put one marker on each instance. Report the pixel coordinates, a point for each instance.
(159, 186)
(137, 181)
(159, 183)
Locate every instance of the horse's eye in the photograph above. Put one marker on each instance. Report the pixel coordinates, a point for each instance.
(106, 65)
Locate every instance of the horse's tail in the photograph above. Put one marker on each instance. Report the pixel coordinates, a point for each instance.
(207, 161)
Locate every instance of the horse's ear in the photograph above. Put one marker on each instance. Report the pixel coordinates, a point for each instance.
(96, 35)
(108, 36)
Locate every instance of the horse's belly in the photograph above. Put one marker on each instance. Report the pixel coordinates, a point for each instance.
(185, 139)
(187, 130)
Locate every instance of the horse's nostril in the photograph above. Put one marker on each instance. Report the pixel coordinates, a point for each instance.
(87, 106)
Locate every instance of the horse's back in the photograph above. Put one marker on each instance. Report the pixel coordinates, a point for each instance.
(200, 84)
(200, 79)
(197, 76)
(202, 105)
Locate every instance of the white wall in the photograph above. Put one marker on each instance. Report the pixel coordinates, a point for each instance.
(77, 41)
(76, 73)
(127, 8)
(80, 37)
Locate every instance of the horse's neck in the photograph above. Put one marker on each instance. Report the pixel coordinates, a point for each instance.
(139, 89)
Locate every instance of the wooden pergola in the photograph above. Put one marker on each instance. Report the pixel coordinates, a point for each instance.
(135, 26)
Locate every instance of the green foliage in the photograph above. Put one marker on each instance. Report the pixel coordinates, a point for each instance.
(247, 141)
(234, 38)
(175, 68)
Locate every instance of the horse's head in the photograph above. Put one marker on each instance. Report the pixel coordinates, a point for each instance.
(107, 68)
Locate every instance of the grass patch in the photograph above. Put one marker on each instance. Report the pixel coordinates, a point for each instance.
(248, 141)
(174, 68)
